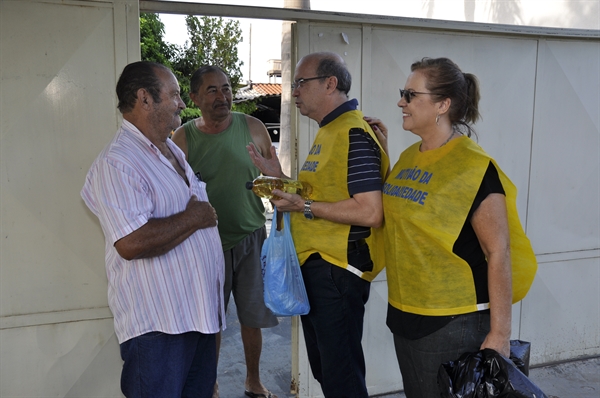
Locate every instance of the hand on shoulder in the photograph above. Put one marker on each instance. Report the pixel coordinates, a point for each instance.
(380, 130)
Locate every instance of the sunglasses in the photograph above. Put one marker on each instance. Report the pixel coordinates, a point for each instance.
(408, 95)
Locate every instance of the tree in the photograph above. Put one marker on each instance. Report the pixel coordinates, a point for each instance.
(212, 41)
(152, 45)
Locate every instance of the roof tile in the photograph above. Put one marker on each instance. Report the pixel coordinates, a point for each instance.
(256, 90)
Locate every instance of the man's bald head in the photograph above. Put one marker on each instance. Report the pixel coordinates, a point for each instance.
(331, 64)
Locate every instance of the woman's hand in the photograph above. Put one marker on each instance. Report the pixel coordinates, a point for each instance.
(497, 342)
(269, 167)
(380, 131)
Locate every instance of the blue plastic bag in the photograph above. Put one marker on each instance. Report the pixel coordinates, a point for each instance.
(284, 291)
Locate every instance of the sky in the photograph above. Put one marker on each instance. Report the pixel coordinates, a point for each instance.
(262, 38)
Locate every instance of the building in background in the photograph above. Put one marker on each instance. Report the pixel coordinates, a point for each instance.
(268, 102)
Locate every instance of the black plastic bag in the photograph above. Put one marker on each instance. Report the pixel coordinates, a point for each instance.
(519, 354)
(485, 374)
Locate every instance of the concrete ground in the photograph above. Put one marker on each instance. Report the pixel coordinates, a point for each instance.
(275, 363)
(575, 379)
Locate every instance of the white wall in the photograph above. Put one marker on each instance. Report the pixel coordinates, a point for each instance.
(59, 65)
(573, 14)
(540, 102)
(579, 14)
(570, 14)
(561, 313)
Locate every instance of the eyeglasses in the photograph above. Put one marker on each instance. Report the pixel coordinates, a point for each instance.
(408, 95)
(298, 83)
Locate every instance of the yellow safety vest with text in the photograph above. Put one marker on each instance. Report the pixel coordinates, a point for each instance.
(326, 169)
(427, 198)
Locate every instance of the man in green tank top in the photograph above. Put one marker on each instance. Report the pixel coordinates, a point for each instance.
(215, 147)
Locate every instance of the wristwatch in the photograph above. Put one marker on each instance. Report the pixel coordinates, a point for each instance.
(307, 211)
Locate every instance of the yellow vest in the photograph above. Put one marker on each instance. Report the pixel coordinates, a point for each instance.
(326, 169)
(426, 200)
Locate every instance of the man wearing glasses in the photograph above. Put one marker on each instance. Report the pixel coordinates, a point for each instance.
(345, 167)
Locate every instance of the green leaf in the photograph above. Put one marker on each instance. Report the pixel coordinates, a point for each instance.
(211, 41)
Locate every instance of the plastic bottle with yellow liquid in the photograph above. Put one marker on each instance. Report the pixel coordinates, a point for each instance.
(263, 187)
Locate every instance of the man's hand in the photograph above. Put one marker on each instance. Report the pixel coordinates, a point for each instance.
(288, 201)
(269, 167)
(364, 209)
(202, 213)
(159, 235)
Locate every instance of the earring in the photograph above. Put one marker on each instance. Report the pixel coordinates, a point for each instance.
(437, 119)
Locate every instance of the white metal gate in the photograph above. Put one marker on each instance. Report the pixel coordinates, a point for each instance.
(59, 64)
(540, 106)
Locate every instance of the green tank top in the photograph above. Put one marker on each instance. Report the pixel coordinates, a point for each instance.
(224, 164)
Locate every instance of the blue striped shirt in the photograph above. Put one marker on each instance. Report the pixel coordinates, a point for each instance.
(364, 163)
(180, 291)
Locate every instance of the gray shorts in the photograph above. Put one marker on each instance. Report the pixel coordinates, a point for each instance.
(243, 278)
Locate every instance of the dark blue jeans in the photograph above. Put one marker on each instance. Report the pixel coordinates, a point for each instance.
(161, 365)
(420, 359)
(334, 326)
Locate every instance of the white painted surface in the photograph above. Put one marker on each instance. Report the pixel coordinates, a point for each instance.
(540, 102)
(560, 314)
(59, 65)
(564, 206)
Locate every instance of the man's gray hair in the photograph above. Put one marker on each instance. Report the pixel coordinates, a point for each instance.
(332, 64)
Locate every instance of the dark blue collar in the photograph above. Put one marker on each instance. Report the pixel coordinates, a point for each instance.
(347, 106)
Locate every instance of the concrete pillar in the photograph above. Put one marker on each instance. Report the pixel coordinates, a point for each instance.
(288, 143)
(297, 4)
(288, 146)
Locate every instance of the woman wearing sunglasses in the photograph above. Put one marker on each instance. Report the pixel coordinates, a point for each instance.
(455, 251)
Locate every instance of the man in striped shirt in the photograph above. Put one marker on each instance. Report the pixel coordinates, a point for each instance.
(163, 254)
(345, 167)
